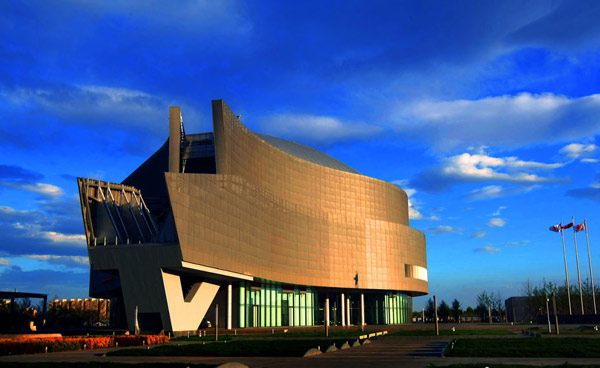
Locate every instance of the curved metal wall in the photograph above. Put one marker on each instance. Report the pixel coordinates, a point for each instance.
(273, 216)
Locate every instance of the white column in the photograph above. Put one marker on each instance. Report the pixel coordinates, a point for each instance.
(362, 309)
(327, 311)
(229, 302)
(348, 310)
(343, 304)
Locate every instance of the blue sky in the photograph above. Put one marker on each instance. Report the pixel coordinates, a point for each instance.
(486, 113)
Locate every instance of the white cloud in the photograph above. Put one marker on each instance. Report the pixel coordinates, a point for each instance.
(509, 120)
(63, 238)
(479, 234)
(47, 190)
(76, 261)
(444, 229)
(5, 262)
(490, 191)
(479, 166)
(8, 213)
(54, 228)
(316, 129)
(471, 168)
(516, 243)
(413, 211)
(35, 231)
(576, 150)
(496, 222)
(410, 192)
(497, 191)
(487, 249)
(590, 160)
(414, 214)
(101, 105)
(497, 213)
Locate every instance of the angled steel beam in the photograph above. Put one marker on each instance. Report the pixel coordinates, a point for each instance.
(109, 212)
(139, 204)
(148, 214)
(116, 207)
(137, 224)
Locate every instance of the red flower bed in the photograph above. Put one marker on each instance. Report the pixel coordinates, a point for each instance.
(32, 346)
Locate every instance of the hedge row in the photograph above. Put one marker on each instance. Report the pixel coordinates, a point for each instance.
(32, 346)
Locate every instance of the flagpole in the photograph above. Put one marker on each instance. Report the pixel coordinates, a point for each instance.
(577, 258)
(590, 259)
(562, 233)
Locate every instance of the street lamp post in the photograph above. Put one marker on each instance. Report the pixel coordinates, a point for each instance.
(548, 313)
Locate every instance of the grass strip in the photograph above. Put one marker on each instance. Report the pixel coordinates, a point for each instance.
(570, 332)
(566, 331)
(292, 335)
(246, 348)
(204, 338)
(451, 333)
(527, 347)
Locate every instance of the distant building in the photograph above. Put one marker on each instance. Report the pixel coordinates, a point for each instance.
(470, 319)
(100, 307)
(517, 309)
(273, 232)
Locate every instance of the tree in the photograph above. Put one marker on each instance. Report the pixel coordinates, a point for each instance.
(443, 311)
(492, 301)
(430, 309)
(483, 299)
(483, 303)
(456, 311)
(497, 304)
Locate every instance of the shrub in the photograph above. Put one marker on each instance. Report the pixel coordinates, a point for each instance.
(32, 346)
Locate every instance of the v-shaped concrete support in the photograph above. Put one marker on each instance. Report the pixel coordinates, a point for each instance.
(187, 313)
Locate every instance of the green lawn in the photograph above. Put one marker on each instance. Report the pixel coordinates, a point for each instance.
(451, 333)
(526, 347)
(271, 348)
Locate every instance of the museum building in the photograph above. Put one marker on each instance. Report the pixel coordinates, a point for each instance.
(257, 230)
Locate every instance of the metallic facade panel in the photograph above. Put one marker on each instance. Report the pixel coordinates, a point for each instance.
(271, 215)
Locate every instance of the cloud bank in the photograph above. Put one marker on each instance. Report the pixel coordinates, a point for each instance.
(474, 168)
(508, 120)
(320, 130)
(444, 229)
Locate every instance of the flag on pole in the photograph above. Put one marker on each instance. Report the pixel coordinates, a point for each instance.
(567, 225)
(555, 228)
(579, 228)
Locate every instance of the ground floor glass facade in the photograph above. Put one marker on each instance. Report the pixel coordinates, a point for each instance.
(270, 304)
